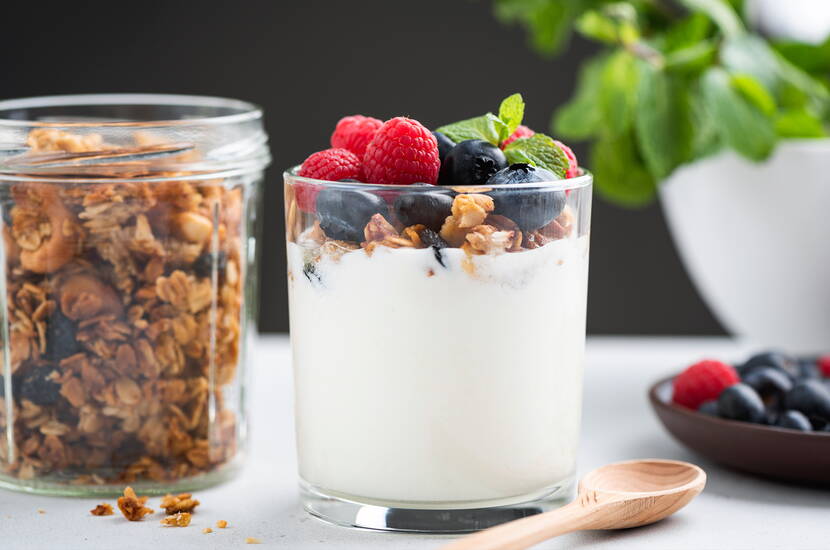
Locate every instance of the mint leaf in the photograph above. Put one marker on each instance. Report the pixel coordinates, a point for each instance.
(755, 92)
(619, 174)
(488, 127)
(615, 23)
(581, 118)
(740, 125)
(692, 58)
(721, 12)
(799, 123)
(618, 89)
(511, 112)
(539, 150)
(662, 123)
(705, 139)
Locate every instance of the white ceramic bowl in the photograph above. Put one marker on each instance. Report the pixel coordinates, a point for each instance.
(755, 239)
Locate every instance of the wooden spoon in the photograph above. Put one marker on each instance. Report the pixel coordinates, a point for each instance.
(616, 496)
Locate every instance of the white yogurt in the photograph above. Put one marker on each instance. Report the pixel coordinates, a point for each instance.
(418, 383)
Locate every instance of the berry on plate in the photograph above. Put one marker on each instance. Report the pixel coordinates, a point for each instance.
(812, 398)
(402, 152)
(794, 420)
(703, 381)
(354, 133)
(740, 402)
(824, 365)
(330, 165)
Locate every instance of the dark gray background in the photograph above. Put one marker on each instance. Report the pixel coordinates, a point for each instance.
(310, 62)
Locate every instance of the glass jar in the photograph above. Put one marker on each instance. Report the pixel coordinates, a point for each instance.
(128, 288)
(437, 338)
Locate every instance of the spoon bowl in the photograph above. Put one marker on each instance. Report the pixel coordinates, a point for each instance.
(616, 496)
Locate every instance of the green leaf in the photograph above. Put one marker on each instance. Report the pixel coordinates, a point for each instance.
(662, 122)
(618, 89)
(740, 125)
(616, 23)
(488, 127)
(538, 150)
(705, 139)
(619, 174)
(581, 118)
(511, 112)
(686, 33)
(548, 21)
(755, 92)
(693, 58)
(721, 12)
(812, 58)
(799, 123)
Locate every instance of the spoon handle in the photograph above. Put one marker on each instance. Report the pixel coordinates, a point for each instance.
(525, 532)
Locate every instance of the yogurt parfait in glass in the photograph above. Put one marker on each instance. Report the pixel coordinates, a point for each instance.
(437, 291)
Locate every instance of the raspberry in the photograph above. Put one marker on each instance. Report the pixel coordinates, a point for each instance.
(824, 365)
(703, 381)
(402, 152)
(573, 164)
(521, 131)
(331, 165)
(354, 133)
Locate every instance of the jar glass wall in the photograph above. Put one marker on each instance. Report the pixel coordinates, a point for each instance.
(128, 290)
(437, 338)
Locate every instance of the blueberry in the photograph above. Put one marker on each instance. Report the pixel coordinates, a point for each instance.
(774, 359)
(203, 266)
(812, 398)
(311, 273)
(38, 387)
(794, 420)
(444, 145)
(709, 407)
(770, 383)
(433, 239)
(430, 209)
(741, 402)
(345, 212)
(530, 208)
(60, 337)
(808, 369)
(471, 162)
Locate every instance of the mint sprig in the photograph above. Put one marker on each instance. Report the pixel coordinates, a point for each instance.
(538, 150)
(675, 82)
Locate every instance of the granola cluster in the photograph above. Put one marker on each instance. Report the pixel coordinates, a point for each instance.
(124, 305)
(472, 227)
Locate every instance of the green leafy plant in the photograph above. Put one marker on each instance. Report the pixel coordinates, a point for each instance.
(676, 80)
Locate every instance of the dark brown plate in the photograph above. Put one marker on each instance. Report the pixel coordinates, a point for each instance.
(763, 450)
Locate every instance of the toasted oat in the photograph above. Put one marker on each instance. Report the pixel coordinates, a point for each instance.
(102, 509)
(252, 540)
(178, 503)
(207, 530)
(471, 209)
(132, 506)
(180, 519)
(221, 524)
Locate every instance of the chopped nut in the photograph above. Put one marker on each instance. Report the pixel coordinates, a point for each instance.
(378, 229)
(471, 210)
(486, 239)
(193, 227)
(181, 519)
(179, 503)
(132, 506)
(84, 297)
(102, 509)
(221, 524)
(252, 540)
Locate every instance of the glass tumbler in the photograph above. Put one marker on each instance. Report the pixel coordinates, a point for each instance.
(438, 338)
(128, 290)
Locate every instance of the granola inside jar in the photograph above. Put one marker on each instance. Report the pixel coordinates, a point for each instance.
(129, 281)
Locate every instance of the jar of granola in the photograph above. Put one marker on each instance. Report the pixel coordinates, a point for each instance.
(129, 288)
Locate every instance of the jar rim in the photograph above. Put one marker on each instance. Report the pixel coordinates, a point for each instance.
(245, 111)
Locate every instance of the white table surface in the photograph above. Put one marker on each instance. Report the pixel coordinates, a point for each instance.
(735, 511)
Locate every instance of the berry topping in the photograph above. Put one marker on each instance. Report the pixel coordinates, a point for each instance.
(402, 152)
(433, 239)
(573, 164)
(344, 213)
(60, 337)
(354, 133)
(812, 398)
(39, 386)
(331, 165)
(703, 381)
(521, 131)
(794, 420)
(428, 208)
(444, 145)
(824, 365)
(471, 162)
(530, 208)
(740, 402)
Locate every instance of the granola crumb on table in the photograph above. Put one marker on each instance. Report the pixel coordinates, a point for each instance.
(207, 530)
(173, 504)
(221, 524)
(132, 506)
(102, 509)
(111, 302)
(252, 540)
(180, 519)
